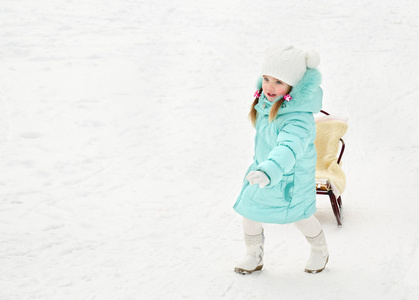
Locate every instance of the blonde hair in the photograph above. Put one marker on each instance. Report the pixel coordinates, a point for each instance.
(272, 114)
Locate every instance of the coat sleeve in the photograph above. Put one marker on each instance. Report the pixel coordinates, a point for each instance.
(291, 144)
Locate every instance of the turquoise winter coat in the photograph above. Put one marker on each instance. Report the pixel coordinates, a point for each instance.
(285, 151)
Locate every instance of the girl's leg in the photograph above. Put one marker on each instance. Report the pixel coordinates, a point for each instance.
(254, 240)
(309, 227)
(319, 255)
(251, 227)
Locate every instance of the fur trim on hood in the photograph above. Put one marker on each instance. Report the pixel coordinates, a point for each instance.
(306, 96)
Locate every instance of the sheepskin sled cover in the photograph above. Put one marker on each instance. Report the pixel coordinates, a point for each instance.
(329, 131)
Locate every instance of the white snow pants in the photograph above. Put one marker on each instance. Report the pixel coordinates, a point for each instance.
(309, 227)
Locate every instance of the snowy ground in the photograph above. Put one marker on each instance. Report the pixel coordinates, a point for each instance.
(124, 140)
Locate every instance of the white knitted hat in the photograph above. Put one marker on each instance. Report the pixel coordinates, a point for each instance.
(289, 64)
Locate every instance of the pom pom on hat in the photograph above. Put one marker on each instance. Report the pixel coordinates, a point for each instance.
(312, 59)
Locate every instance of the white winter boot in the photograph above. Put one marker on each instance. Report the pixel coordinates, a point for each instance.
(253, 261)
(319, 255)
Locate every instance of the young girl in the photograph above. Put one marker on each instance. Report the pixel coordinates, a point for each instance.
(279, 186)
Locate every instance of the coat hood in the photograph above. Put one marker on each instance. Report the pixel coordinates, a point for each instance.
(306, 95)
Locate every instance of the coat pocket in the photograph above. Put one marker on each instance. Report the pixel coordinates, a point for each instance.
(288, 182)
(279, 195)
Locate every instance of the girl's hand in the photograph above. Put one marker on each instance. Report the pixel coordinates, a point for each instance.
(258, 177)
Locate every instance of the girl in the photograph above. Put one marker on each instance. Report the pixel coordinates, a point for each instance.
(279, 186)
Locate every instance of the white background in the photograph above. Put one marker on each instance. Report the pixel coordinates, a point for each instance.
(124, 140)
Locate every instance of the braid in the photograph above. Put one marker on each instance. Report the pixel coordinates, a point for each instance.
(274, 109)
(253, 112)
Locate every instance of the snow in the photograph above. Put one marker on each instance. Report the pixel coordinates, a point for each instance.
(124, 139)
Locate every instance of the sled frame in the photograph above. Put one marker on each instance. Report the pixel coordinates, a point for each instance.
(325, 188)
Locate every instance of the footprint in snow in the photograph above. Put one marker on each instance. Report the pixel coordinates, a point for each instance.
(30, 135)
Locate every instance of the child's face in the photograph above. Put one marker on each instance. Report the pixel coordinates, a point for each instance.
(273, 88)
